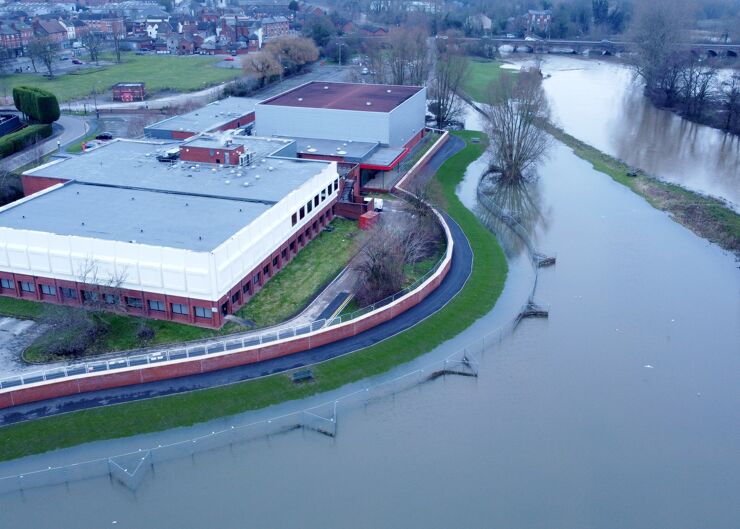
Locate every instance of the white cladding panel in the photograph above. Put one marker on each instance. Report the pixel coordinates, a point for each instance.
(172, 271)
(324, 123)
(407, 119)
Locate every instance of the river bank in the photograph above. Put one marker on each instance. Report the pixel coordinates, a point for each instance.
(707, 217)
(476, 299)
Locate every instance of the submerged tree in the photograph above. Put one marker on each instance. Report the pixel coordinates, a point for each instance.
(516, 108)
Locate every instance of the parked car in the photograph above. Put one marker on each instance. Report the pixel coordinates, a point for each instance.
(229, 58)
(104, 136)
(510, 36)
(365, 71)
(77, 61)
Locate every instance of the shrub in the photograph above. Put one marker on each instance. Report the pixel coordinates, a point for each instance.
(17, 141)
(39, 105)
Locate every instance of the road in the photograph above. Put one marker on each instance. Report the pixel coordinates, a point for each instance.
(68, 130)
(461, 267)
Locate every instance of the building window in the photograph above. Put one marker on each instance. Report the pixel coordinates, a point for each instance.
(256, 279)
(202, 312)
(134, 303)
(89, 296)
(328, 189)
(336, 184)
(48, 290)
(111, 299)
(294, 219)
(235, 297)
(323, 195)
(6, 283)
(26, 286)
(303, 213)
(179, 308)
(309, 206)
(316, 200)
(284, 253)
(68, 293)
(266, 271)
(245, 288)
(292, 246)
(156, 305)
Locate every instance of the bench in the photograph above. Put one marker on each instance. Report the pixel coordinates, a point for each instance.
(304, 375)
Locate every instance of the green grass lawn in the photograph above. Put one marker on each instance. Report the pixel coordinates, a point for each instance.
(294, 287)
(476, 299)
(181, 74)
(479, 77)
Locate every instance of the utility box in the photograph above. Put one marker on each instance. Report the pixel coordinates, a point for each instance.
(368, 220)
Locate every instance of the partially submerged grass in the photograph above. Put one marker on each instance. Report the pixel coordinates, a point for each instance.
(479, 76)
(477, 298)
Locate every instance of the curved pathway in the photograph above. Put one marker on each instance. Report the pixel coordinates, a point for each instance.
(460, 269)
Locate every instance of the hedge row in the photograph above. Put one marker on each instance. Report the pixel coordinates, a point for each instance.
(18, 140)
(40, 105)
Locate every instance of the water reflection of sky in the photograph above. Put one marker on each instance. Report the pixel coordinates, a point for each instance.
(600, 103)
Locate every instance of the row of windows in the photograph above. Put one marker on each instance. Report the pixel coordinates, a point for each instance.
(110, 299)
(314, 203)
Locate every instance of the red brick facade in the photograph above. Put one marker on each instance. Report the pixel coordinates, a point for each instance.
(173, 308)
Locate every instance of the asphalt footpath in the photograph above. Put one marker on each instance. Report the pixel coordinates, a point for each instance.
(461, 267)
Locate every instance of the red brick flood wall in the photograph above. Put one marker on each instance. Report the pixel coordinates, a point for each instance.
(249, 355)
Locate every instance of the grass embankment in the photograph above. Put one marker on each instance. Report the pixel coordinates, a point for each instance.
(478, 78)
(180, 74)
(476, 299)
(305, 277)
(286, 294)
(708, 217)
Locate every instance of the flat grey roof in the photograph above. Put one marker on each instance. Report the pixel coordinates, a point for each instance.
(134, 164)
(384, 156)
(357, 150)
(209, 117)
(145, 217)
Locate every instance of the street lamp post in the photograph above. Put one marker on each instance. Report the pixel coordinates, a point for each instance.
(340, 51)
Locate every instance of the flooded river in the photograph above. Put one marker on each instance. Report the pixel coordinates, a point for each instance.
(601, 104)
(622, 410)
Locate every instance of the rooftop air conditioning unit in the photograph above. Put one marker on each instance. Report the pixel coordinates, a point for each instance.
(245, 158)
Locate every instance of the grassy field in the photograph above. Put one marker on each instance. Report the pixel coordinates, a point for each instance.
(476, 299)
(307, 274)
(283, 296)
(159, 72)
(706, 216)
(479, 76)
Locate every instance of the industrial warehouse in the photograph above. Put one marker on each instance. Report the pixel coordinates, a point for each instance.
(190, 230)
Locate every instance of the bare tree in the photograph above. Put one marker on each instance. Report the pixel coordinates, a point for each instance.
(262, 66)
(408, 56)
(116, 39)
(104, 289)
(93, 42)
(449, 70)
(44, 50)
(731, 103)
(658, 29)
(293, 52)
(516, 106)
(697, 83)
(389, 250)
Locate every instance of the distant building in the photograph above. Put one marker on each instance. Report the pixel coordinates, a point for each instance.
(129, 92)
(226, 114)
(274, 27)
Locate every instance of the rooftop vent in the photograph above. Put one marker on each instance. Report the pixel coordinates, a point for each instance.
(227, 182)
(311, 149)
(300, 99)
(326, 88)
(389, 90)
(369, 103)
(342, 152)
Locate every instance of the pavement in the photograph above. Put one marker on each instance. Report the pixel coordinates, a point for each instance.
(461, 267)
